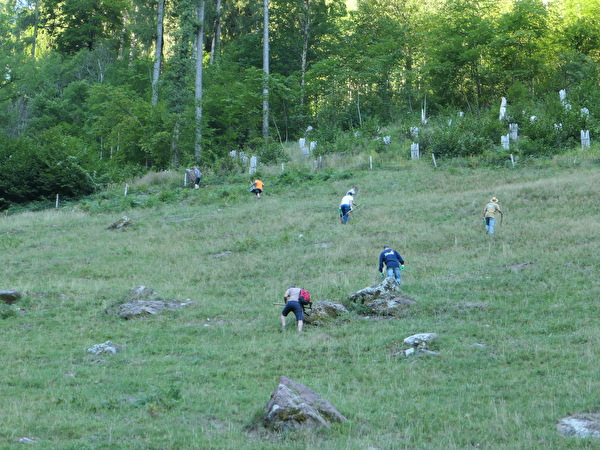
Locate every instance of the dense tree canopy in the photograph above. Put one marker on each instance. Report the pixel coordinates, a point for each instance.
(76, 76)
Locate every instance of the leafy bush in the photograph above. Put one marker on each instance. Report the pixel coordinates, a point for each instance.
(332, 175)
(291, 177)
(454, 140)
(40, 170)
(270, 153)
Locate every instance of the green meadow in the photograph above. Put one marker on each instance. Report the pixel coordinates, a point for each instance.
(517, 314)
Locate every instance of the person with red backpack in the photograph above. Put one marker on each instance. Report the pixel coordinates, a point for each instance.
(295, 299)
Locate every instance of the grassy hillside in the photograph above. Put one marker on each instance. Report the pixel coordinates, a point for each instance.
(196, 378)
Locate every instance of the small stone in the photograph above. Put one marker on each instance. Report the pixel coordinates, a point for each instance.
(427, 352)
(10, 297)
(122, 222)
(107, 348)
(421, 339)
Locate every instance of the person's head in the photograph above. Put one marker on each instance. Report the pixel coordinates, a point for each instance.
(385, 246)
(494, 200)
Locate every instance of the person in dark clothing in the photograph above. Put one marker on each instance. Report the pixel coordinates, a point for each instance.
(393, 263)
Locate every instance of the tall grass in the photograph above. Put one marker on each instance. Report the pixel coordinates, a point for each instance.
(196, 378)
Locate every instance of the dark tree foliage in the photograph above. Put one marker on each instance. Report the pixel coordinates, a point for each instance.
(76, 82)
(82, 24)
(41, 170)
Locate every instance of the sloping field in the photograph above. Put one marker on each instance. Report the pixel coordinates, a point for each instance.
(518, 343)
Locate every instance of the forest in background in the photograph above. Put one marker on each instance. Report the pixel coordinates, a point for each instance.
(95, 91)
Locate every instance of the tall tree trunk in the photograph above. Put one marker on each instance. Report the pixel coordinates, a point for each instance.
(305, 37)
(175, 143)
(35, 27)
(160, 16)
(122, 39)
(266, 70)
(198, 93)
(216, 40)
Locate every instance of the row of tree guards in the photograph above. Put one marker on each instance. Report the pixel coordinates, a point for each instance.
(318, 163)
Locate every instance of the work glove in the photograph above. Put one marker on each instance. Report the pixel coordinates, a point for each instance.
(402, 267)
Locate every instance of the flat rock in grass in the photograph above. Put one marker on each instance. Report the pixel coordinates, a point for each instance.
(294, 406)
(106, 348)
(121, 223)
(220, 255)
(322, 311)
(517, 267)
(396, 306)
(420, 340)
(137, 309)
(584, 425)
(10, 297)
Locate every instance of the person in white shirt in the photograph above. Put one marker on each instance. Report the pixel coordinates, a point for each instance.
(346, 206)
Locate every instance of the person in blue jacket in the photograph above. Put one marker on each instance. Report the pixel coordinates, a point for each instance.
(393, 263)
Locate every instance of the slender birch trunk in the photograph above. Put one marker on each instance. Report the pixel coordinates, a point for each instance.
(160, 16)
(216, 40)
(198, 92)
(175, 143)
(305, 37)
(35, 28)
(266, 70)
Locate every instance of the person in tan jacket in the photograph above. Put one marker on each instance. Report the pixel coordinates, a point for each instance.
(490, 213)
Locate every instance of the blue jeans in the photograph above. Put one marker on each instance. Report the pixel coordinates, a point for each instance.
(489, 224)
(344, 213)
(394, 272)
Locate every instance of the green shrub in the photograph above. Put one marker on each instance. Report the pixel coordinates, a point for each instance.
(270, 153)
(452, 141)
(291, 177)
(33, 171)
(332, 175)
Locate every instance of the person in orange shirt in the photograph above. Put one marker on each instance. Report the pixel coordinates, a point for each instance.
(257, 187)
